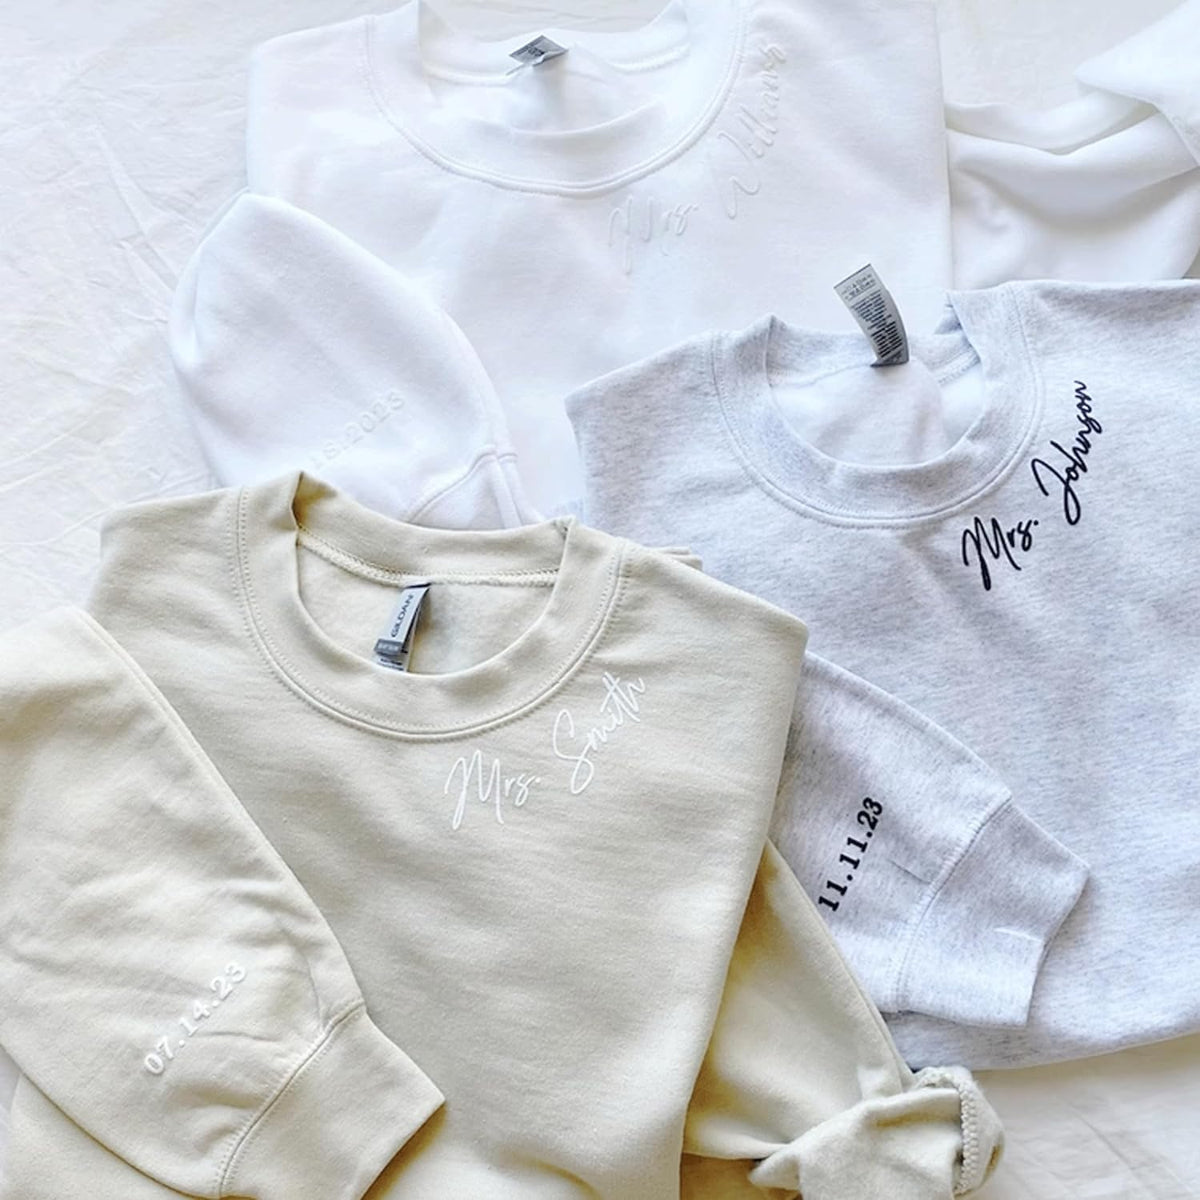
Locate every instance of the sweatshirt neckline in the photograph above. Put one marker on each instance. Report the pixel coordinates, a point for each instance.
(703, 38)
(275, 519)
(981, 327)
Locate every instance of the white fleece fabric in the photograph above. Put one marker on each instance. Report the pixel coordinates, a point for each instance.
(1105, 186)
(300, 349)
(646, 185)
(570, 218)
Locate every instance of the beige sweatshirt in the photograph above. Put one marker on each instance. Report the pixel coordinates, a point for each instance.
(283, 921)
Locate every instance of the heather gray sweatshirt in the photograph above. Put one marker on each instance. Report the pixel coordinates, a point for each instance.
(996, 532)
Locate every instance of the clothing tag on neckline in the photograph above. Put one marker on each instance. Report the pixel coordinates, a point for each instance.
(872, 306)
(541, 49)
(393, 648)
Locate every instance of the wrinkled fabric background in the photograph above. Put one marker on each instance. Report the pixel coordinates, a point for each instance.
(120, 137)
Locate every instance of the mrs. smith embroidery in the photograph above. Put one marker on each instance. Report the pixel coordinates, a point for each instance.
(473, 777)
(490, 784)
(987, 543)
(620, 704)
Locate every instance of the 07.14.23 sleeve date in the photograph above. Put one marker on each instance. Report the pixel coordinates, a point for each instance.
(222, 988)
(867, 818)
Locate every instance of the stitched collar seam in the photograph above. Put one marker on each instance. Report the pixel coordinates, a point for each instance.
(610, 183)
(332, 706)
(378, 573)
(808, 508)
(627, 66)
(955, 366)
(367, 724)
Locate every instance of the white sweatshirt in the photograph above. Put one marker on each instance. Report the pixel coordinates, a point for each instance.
(998, 533)
(732, 158)
(574, 216)
(535, 858)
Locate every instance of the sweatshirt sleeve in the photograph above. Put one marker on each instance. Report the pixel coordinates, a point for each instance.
(164, 979)
(942, 894)
(1157, 66)
(294, 344)
(802, 1089)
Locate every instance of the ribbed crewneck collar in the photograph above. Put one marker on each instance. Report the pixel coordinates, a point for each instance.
(981, 327)
(276, 519)
(697, 48)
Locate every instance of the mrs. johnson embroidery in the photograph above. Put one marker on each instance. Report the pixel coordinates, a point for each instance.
(472, 777)
(986, 544)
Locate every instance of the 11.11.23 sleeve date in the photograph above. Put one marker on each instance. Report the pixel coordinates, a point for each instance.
(867, 819)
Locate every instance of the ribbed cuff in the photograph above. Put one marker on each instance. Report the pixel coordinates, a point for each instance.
(337, 1123)
(938, 1137)
(980, 944)
(982, 1134)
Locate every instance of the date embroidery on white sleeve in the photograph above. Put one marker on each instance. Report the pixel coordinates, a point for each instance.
(222, 988)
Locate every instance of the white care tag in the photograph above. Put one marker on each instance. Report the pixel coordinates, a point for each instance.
(541, 49)
(394, 645)
(872, 306)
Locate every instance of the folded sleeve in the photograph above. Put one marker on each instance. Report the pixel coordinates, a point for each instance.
(942, 894)
(803, 1092)
(295, 345)
(164, 979)
(1158, 66)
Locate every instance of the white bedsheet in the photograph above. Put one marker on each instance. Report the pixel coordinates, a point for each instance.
(120, 135)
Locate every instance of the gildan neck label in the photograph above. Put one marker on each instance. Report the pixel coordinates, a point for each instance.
(875, 311)
(393, 648)
(538, 51)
